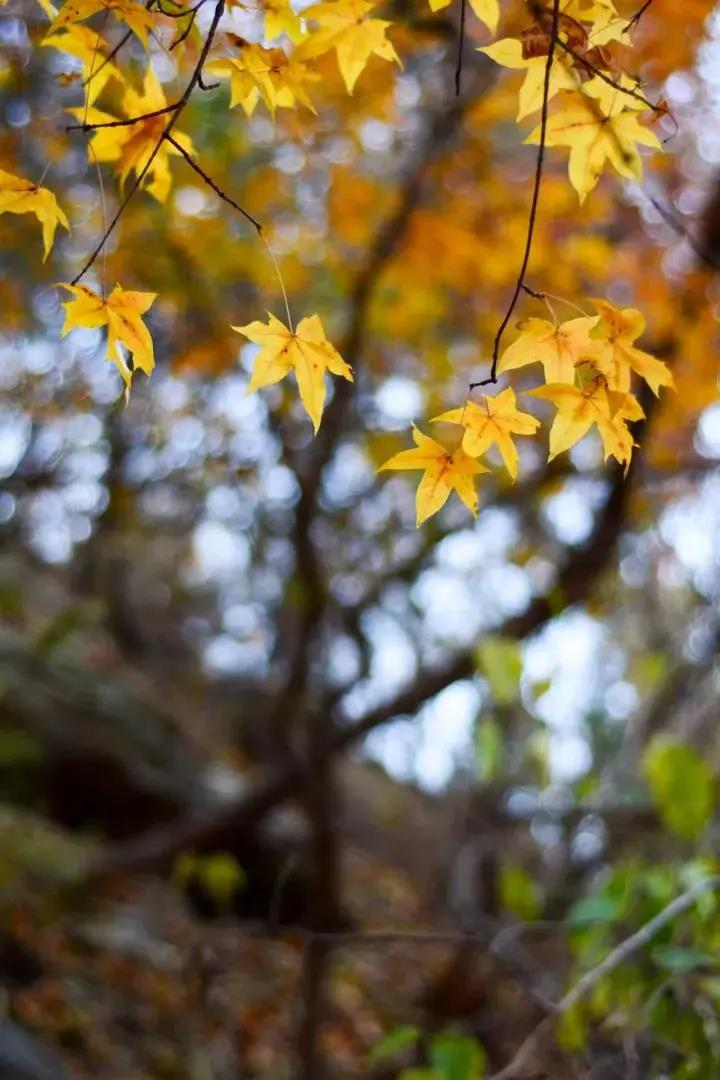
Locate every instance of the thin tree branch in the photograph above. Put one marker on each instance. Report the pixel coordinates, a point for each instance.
(211, 183)
(127, 122)
(193, 82)
(461, 46)
(619, 955)
(492, 378)
(638, 15)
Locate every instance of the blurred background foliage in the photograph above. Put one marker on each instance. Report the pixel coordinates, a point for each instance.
(242, 698)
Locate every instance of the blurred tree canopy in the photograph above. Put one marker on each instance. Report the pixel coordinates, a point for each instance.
(312, 766)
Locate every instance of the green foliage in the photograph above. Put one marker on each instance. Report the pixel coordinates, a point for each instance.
(499, 660)
(681, 784)
(391, 1044)
(519, 892)
(220, 875)
(488, 749)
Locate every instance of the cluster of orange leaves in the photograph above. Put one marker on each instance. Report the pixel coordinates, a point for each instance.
(595, 111)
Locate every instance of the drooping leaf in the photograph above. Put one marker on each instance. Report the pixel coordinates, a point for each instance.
(19, 196)
(560, 349)
(343, 26)
(445, 471)
(493, 422)
(122, 313)
(306, 351)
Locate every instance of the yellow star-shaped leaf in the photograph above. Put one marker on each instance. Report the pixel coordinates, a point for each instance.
(493, 422)
(558, 348)
(136, 16)
(343, 26)
(618, 329)
(20, 196)
(131, 145)
(444, 471)
(578, 409)
(508, 52)
(599, 124)
(306, 351)
(122, 313)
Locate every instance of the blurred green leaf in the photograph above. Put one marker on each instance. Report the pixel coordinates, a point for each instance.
(595, 909)
(499, 659)
(219, 874)
(679, 960)
(457, 1057)
(518, 892)
(488, 749)
(681, 785)
(393, 1042)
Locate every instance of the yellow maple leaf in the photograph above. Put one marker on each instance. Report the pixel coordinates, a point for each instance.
(599, 124)
(20, 196)
(344, 27)
(579, 408)
(136, 16)
(508, 52)
(131, 145)
(445, 471)
(268, 74)
(619, 328)
(494, 422)
(91, 50)
(488, 11)
(558, 348)
(306, 351)
(281, 19)
(122, 313)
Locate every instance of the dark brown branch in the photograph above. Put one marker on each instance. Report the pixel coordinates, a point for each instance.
(128, 122)
(638, 15)
(492, 378)
(211, 183)
(461, 46)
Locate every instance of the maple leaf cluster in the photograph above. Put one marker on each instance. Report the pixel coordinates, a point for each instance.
(574, 74)
(588, 364)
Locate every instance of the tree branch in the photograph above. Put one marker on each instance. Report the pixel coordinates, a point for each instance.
(619, 955)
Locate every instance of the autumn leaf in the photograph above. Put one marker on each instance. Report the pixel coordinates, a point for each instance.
(508, 52)
(20, 196)
(91, 50)
(493, 422)
(620, 328)
(444, 471)
(599, 124)
(306, 351)
(343, 27)
(269, 74)
(579, 408)
(559, 348)
(122, 313)
(281, 19)
(131, 145)
(488, 11)
(136, 16)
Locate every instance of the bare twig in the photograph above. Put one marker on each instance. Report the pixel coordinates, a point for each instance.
(492, 378)
(127, 122)
(174, 117)
(461, 46)
(211, 183)
(619, 955)
(638, 15)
